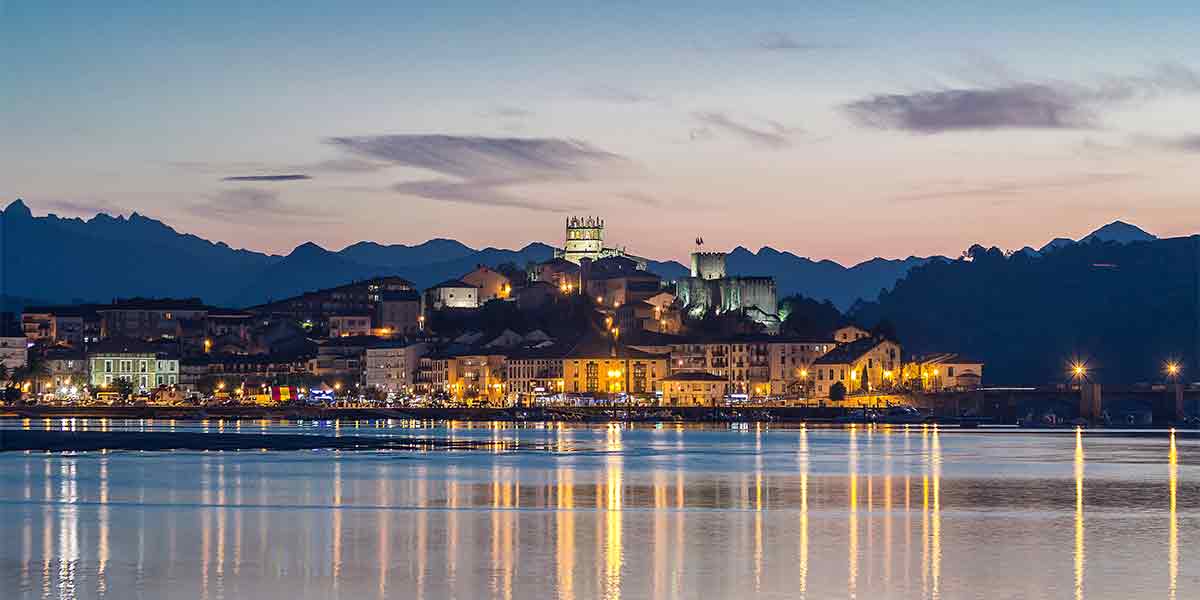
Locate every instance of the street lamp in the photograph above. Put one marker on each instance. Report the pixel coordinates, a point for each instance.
(1172, 369)
(1079, 371)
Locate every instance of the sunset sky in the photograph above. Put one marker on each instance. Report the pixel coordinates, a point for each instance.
(845, 132)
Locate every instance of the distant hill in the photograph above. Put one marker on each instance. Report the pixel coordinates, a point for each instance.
(1124, 308)
(55, 259)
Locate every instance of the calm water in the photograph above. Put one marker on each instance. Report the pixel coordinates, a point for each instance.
(610, 512)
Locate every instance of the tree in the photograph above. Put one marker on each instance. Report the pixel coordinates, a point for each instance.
(837, 392)
(866, 383)
(123, 386)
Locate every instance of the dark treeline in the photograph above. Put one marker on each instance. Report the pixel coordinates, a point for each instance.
(1123, 308)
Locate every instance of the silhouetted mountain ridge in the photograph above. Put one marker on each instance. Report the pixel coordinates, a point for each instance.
(105, 256)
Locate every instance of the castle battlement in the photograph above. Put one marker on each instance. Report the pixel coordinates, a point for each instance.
(585, 223)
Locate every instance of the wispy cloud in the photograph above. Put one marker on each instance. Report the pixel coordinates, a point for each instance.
(481, 168)
(510, 112)
(291, 177)
(962, 189)
(1017, 105)
(778, 41)
(81, 208)
(1188, 143)
(641, 198)
(773, 136)
(616, 95)
(238, 204)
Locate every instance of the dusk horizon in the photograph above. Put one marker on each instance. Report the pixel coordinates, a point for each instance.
(776, 126)
(687, 245)
(323, 300)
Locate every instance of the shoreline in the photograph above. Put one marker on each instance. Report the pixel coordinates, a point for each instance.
(90, 441)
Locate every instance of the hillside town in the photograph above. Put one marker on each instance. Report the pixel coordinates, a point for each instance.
(591, 326)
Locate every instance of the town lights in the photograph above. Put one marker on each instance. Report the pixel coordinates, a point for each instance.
(1079, 370)
(1172, 369)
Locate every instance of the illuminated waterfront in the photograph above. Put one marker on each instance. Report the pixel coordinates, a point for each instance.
(610, 512)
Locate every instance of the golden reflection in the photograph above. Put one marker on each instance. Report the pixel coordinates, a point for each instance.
(758, 516)
(659, 548)
(936, 467)
(1079, 556)
(103, 517)
(803, 514)
(852, 577)
(565, 526)
(1173, 531)
(337, 525)
(925, 569)
(613, 515)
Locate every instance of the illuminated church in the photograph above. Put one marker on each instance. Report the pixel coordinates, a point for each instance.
(585, 239)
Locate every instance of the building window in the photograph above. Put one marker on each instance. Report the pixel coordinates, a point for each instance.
(108, 368)
(593, 376)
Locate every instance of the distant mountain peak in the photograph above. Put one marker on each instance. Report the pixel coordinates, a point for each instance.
(17, 209)
(307, 249)
(1055, 244)
(1119, 231)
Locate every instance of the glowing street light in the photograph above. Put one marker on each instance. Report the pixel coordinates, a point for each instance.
(1079, 371)
(1172, 369)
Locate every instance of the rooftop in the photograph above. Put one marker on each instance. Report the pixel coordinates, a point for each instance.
(848, 353)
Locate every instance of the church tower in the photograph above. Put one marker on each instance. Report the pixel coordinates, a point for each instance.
(585, 239)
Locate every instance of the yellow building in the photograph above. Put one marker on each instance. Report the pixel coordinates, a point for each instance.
(791, 361)
(693, 389)
(862, 366)
(850, 333)
(944, 371)
(599, 366)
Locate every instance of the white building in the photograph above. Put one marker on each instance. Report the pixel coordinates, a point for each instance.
(392, 368)
(452, 294)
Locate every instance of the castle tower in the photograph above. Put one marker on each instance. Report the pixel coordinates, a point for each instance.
(585, 238)
(707, 265)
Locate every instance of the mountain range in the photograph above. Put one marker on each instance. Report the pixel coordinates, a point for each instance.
(57, 260)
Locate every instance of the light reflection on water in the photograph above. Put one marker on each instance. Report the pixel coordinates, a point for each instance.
(613, 512)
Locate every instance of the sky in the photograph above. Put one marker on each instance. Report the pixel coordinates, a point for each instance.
(846, 132)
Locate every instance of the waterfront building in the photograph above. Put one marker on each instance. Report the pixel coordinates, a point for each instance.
(392, 367)
(492, 284)
(454, 293)
(204, 373)
(144, 364)
(693, 389)
(944, 371)
(791, 361)
(534, 373)
(862, 366)
(65, 368)
(601, 366)
(340, 359)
